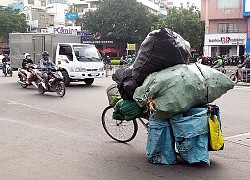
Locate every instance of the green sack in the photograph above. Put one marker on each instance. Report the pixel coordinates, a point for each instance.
(178, 88)
(126, 110)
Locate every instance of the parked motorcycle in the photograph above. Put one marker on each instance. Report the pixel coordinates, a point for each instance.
(33, 79)
(239, 76)
(55, 83)
(8, 69)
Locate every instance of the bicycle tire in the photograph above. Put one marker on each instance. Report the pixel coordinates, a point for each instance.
(121, 131)
(234, 78)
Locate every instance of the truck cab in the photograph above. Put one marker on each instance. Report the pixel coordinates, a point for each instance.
(79, 62)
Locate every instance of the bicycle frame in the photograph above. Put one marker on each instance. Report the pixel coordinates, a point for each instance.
(145, 124)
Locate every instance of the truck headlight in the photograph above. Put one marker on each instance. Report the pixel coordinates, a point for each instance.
(80, 69)
(77, 69)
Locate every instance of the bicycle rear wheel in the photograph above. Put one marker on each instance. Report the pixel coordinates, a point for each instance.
(119, 130)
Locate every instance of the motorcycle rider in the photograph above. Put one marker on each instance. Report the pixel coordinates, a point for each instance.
(46, 66)
(5, 60)
(218, 63)
(246, 62)
(25, 65)
(246, 65)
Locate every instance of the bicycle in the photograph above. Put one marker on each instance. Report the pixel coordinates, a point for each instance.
(120, 130)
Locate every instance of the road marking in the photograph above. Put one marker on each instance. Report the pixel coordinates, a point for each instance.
(41, 109)
(46, 128)
(242, 88)
(238, 135)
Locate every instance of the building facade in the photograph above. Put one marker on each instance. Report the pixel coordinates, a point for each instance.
(225, 27)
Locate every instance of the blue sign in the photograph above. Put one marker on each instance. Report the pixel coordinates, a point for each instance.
(71, 16)
(246, 8)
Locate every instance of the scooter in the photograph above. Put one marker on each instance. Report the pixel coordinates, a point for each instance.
(221, 69)
(55, 83)
(8, 69)
(22, 75)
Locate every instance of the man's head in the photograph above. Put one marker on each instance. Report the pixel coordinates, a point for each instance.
(45, 55)
(27, 56)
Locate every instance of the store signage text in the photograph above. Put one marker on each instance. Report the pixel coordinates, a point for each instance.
(98, 42)
(227, 40)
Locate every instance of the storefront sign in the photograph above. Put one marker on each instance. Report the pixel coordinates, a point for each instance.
(225, 39)
(97, 42)
(131, 47)
(71, 15)
(74, 30)
(247, 6)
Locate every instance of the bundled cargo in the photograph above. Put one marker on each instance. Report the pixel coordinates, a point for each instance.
(189, 130)
(179, 88)
(126, 110)
(125, 83)
(161, 49)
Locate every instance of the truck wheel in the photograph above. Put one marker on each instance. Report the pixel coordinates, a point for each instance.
(89, 81)
(66, 78)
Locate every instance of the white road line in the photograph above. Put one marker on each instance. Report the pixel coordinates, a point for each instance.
(45, 128)
(242, 88)
(238, 135)
(38, 108)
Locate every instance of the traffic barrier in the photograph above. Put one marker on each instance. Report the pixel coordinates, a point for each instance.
(110, 70)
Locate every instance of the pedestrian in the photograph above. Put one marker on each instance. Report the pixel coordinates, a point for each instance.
(121, 60)
(107, 60)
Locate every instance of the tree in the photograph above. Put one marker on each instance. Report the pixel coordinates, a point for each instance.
(186, 22)
(125, 21)
(11, 20)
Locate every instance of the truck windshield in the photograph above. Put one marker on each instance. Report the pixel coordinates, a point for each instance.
(86, 53)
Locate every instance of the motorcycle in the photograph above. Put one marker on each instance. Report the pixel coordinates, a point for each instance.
(221, 69)
(8, 69)
(55, 83)
(33, 79)
(239, 76)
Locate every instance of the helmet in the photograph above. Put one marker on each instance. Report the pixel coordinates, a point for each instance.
(218, 57)
(45, 53)
(26, 55)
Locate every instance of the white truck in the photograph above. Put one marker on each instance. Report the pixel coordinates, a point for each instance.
(79, 62)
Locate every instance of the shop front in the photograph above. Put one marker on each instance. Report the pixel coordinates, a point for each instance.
(231, 44)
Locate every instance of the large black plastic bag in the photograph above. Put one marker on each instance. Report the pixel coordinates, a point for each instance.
(125, 83)
(161, 49)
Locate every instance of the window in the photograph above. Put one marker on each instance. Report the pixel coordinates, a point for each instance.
(228, 28)
(66, 50)
(228, 3)
(31, 2)
(43, 3)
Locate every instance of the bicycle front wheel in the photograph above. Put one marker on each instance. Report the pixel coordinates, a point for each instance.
(120, 130)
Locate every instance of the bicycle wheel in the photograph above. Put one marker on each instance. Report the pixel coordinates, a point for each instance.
(119, 130)
(234, 78)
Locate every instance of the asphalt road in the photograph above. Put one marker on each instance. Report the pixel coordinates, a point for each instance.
(48, 137)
